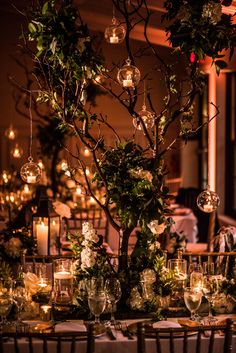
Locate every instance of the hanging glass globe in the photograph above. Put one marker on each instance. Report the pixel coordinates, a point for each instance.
(11, 133)
(146, 116)
(17, 151)
(30, 172)
(115, 33)
(128, 76)
(208, 201)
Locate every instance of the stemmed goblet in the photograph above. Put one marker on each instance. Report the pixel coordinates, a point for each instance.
(5, 302)
(113, 292)
(97, 302)
(210, 290)
(20, 297)
(192, 299)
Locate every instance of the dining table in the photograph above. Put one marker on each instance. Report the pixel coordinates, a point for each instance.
(121, 343)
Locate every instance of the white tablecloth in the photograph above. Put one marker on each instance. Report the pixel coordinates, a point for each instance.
(122, 344)
(186, 224)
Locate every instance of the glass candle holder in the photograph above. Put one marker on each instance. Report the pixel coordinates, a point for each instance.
(45, 312)
(63, 281)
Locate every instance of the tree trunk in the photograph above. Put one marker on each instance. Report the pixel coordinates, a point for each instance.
(123, 251)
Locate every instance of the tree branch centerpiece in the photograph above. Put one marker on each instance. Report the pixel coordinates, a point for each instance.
(129, 172)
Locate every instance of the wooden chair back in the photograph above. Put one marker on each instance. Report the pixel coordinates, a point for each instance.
(173, 185)
(31, 342)
(222, 259)
(95, 216)
(177, 340)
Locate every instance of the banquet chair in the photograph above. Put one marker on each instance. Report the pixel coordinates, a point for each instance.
(178, 339)
(93, 215)
(45, 342)
(223, 260)
(173, 185)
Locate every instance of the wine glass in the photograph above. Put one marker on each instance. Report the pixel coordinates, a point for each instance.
(113, 292)
(5, 308)
(210, 290)
(20, 297)
(192, 299)
(97, 302)
(5, 301)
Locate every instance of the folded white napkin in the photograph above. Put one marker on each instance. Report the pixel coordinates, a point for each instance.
(165, 324)
(70, 326)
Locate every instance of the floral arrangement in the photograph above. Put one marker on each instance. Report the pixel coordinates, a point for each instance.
(13, 242)
(93, 259)
(201, 28)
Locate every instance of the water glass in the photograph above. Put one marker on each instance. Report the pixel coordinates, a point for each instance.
(192, 299)
(97, 303)
(113, 292)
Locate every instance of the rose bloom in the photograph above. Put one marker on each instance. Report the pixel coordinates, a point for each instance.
(156, 228)
(13, 247)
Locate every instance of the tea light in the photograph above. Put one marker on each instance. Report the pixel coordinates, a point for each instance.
(31, 179)
(114, 39)
(128, 83)
(42, 284)
(45, 312)
(62, 274)
(208, 208)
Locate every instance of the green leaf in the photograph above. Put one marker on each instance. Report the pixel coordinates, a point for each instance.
(32, 27)
(45, 8)
(219, 65)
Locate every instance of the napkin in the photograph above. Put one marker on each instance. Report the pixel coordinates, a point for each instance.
(70, 326)
(165, 324)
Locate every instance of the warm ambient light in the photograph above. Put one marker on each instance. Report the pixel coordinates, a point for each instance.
(17, 151)
(11, 133)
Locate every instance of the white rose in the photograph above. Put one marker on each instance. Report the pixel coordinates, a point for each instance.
(156, 228)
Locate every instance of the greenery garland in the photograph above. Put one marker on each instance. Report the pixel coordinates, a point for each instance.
(200, 27)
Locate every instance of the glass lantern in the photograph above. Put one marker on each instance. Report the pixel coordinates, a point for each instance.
(128, 76)
(146, 116)
(115, 33)
(30, 172)
(46, 228)
(208, 201)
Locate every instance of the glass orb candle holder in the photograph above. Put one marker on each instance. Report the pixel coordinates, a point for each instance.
(208, 201)
(147, 118)
(115, 33)
(30, 172)
(129, 75)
